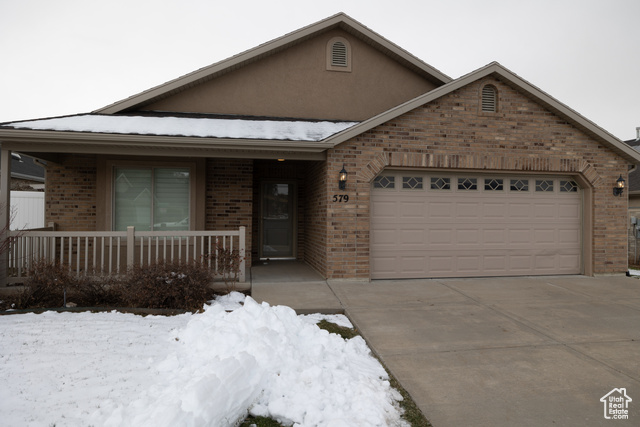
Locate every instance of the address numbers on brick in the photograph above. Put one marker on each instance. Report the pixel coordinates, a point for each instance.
(340, 198)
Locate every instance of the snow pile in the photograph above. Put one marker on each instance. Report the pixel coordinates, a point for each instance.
(192, 370)
(186, 126)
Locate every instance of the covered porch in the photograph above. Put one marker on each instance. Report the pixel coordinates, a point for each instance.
(263, 209)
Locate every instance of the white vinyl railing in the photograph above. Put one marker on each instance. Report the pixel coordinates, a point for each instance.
(113, 252)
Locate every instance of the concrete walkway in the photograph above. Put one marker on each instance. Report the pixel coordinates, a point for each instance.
(499, 351)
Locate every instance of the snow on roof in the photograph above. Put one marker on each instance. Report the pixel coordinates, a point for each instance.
(295, 130)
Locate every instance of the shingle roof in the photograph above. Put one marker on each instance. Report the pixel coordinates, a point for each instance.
(200, 127)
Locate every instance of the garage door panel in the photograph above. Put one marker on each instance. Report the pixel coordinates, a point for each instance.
(495, 210)
(520, 235)
(545, 210)
(412, 237)
(568, 210)
(450, 233)
(440, 237)
(545, 236)
(467, 211)
(440, 210)
(469, 236)
(494, 236)
(520, 210)
(411, 210)
(384, 209)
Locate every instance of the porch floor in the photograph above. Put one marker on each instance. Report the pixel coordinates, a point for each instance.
(294, 284)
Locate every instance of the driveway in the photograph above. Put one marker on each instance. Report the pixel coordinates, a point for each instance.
(505, 351)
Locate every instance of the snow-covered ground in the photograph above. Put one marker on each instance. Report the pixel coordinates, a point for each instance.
(207, 369)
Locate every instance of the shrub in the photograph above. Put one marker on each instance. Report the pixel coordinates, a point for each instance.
(171, 285)
(45, 287)
(227, 265)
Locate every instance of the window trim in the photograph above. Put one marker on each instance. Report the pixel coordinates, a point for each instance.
(105, 199)
(329, 61)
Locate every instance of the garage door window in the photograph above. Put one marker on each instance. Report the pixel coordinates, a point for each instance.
(384, 182)
(467, 183)
(493, 184)
(568, 187)
(519, 185)
(441, 183)
(412, 182)
(544, 185)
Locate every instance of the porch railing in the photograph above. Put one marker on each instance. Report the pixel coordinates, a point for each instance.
(113, 252)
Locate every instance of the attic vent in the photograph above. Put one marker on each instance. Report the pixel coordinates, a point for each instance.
(339, 55)
(489, 101)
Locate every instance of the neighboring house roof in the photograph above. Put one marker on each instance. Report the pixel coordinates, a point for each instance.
(510, 79)
(24, 167)
(339, 20)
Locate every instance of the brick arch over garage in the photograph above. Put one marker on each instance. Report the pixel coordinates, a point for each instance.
(584, 172)
(476, 162)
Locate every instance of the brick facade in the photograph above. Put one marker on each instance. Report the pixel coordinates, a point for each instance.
(451, 133)
(70, 193)
(229, 196)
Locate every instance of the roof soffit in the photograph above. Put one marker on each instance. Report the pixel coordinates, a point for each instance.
(514, 81)
(272, 47)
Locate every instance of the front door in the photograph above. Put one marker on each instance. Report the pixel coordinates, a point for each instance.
(278, 208)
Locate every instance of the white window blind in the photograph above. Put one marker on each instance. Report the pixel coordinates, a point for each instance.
(151, 198)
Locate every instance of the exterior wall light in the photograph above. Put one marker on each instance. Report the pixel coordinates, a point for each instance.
(617, 190)
(342, 179)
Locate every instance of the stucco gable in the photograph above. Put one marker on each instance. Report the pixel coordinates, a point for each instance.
(287, 77)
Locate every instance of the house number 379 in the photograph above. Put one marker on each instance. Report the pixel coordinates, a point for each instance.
(340, 198)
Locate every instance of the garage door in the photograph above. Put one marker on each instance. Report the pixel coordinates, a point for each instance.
(447, 225)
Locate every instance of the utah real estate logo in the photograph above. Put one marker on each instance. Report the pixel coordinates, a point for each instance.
(616, 404)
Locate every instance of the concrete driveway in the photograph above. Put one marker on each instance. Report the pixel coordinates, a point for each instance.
(505, 351)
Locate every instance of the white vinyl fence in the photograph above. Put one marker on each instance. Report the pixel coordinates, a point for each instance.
(27, 208)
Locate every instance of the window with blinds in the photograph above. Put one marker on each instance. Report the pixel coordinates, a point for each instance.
(151, 198)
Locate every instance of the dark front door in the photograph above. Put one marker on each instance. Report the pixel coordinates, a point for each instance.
(277, 239)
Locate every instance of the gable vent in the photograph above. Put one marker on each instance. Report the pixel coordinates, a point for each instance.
(339, 54)
(489, 99)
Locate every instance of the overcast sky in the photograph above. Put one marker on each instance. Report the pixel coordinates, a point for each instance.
(62, 57)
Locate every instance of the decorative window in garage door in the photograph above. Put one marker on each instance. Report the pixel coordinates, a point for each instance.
(384, 182)
(493, 184)
(412, 182)
(440, 183)
(431, 182)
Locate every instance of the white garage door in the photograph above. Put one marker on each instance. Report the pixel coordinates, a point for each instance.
(447, 225)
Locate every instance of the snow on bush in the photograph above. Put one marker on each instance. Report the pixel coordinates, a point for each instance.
(211, 370)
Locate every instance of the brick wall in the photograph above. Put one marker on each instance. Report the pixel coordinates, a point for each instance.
(229, 196)
(70, 193)
(316, 217)
(451, 133)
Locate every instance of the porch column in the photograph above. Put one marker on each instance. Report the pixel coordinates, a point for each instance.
(5, 212)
